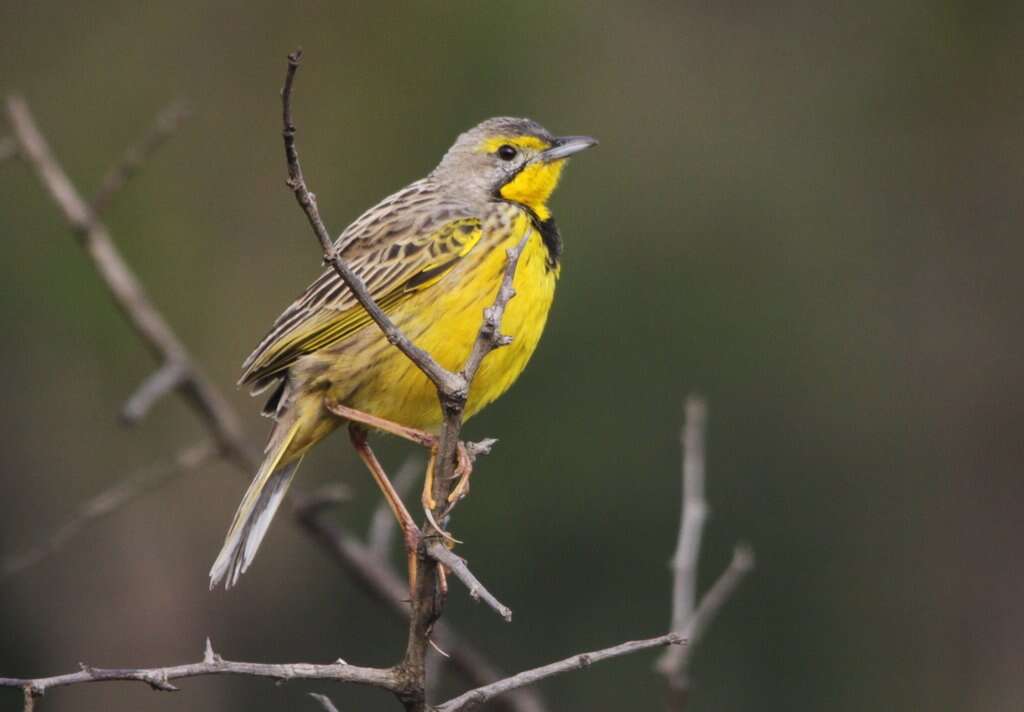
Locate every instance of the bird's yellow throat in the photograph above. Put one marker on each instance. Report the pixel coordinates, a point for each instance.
(533, 185)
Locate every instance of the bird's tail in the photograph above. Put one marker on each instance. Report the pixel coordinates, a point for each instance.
(257, 509)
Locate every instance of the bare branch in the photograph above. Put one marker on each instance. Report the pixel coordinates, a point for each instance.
(688, 619)
(324, 701)
(167, 123)
(474, 698)
(123, 286)
(440, 553)
(156, 386)
(382, 529)
(109, 501)
(691, 528)
(160, 678)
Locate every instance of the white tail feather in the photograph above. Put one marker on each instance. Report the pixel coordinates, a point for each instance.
(255, 513)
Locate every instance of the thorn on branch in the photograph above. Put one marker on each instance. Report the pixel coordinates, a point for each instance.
(210, 657)
(480, 447)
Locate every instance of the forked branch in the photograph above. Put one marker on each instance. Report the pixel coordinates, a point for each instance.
(689, 618)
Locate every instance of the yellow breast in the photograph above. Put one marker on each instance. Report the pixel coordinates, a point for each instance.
(370, 375)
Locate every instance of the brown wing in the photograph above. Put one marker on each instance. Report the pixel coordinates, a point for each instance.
(404, 244)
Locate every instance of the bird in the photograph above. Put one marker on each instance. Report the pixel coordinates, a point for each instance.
(432, 256)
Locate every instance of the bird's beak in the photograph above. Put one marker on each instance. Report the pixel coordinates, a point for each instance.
(566, 146)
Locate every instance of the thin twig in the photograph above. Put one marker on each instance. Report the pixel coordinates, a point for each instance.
(474, 698)
(440, 553)
(212, 664)
(307, 201)
(383, 526)
(109, 501)
(123, 285)
(167, 123)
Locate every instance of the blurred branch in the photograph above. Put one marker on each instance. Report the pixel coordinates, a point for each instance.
(155, 386)
(474, 698)
(111, 500)
(167, 123)
(688, 619)
(123, 286)
(691, 528)
(721, 591)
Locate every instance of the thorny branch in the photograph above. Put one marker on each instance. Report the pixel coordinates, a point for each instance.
(212, 664)
(127, 294)
(381, 581)
(407, 679)
(307, 201)
(453, 391)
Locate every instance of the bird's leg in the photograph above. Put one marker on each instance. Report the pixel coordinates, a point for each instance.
(463, 468)
(420, 437)
(410, 532)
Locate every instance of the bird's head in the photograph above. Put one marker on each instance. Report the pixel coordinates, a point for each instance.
(516, 160)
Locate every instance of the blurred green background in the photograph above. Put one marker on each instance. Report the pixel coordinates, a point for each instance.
(808, 212)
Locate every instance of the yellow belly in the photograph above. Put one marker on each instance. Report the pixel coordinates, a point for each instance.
(368, 374)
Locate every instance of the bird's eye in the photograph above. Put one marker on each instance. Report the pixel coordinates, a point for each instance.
(506, 152)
